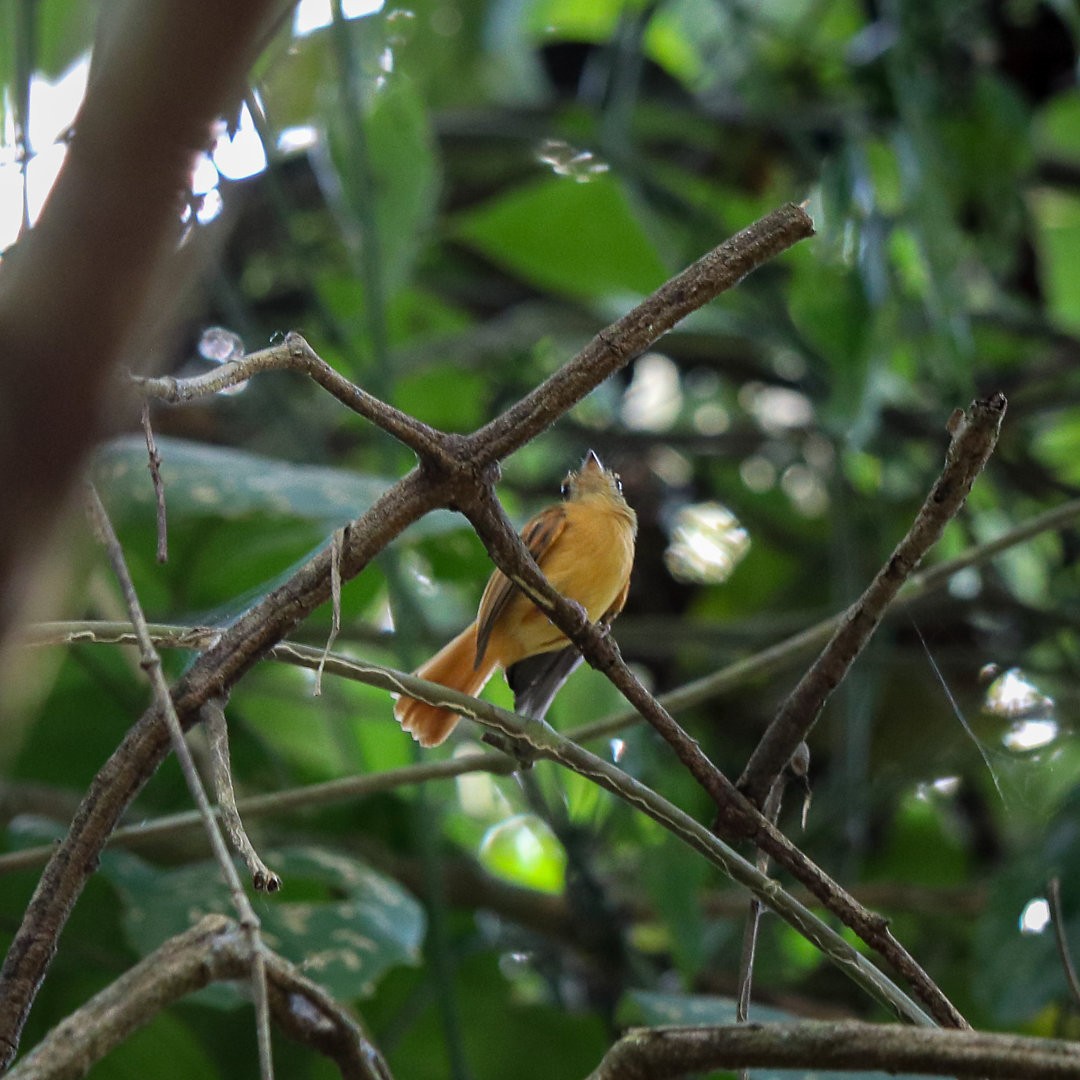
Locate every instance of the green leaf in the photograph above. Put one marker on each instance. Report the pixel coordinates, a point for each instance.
(203, 480)
(1057, 131)
(675, 883)
(446, 397)
(344, 923)
(583, 240)
(65, 31)
(164, 1039)
(388, 173)
(1057, 218)
(406, 178)
(920, 846)
(522, 849)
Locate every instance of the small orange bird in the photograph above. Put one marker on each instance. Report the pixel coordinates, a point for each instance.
(585, 547)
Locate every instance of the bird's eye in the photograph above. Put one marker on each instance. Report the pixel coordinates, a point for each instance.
(564, 491)
(618, 482)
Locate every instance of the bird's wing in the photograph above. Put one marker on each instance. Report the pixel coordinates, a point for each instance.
(539, 535)
(616, 605)
(537, 679)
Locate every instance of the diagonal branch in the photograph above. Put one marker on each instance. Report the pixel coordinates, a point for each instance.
(295, 354)
(774, 658)
(721, 269)
(736, 816)
(449, 476)
(974, 436)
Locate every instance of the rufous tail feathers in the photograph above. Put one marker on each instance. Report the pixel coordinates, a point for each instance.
(451, 666)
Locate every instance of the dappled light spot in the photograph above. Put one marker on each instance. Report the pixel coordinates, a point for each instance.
(566, 160)
(210, 207)
(478, 793)
(777, 409)
(242, 154)
(966, 583)
(204, 176)
(673, 468)
(711, 418)
(1011, 696)
(805, 488)
(220, 345)
(294, 140)
(312, 15)
(524, 850)
(946, 785)
(654, 398)
(707, 543)
(1035, 917)
(51, 106)
(1031, 735)
(758, 473)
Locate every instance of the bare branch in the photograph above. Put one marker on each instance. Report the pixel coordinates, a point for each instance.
(150, 661)
(736, 816)
(154, 464)
(974, 437)
(216, 949)
(217, 733)
(335, 605)
(784, 653)
(664, 1053)
(295, 354)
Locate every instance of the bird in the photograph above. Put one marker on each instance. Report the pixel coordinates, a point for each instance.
(585, 547)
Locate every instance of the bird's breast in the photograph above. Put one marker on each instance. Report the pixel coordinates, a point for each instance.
(588, 562)
(592, 562)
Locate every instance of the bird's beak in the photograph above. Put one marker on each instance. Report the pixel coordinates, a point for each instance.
(591, 463)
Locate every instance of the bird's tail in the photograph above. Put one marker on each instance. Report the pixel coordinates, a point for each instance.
(451, 666)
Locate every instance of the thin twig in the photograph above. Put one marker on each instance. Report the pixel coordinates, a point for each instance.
(295, 354)
(1053, 899)
(217, 733)
(335, 605)
(974, 436)
(752, 925)
(154, 465)
(151, 663)
(329, 793)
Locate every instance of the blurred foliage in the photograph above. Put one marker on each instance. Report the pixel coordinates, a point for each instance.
(455, 197)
